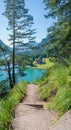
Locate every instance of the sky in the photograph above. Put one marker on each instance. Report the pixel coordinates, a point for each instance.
(36, 9)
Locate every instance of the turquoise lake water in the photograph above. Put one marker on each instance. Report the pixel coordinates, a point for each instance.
(32, 74)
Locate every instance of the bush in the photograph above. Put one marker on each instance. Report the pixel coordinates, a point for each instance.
(8, 104)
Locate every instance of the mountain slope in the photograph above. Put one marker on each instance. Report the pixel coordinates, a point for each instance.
(37, 48)
(43, 42)
(4, 45)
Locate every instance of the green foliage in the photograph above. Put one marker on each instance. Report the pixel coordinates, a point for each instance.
(19, 25)
(59, 34)
(55, 87)
(8, 104)
(47, 64)
(62, 101)
(44, 92)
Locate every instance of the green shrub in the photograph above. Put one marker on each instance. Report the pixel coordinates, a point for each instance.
(8, 104)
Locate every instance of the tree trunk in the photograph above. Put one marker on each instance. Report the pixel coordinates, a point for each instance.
(9, 74)
(8, 70)
(14, 44)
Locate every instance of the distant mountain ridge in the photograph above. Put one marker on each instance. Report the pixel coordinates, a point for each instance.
(43, 42)
(37, 48)
(33, 48)
(33, 43)
(4, 45)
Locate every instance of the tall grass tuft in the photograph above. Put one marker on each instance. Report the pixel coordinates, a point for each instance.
(55, 87)
(62, 101)
(8, 104)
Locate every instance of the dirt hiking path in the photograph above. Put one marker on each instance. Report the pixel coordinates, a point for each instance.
(29, 115)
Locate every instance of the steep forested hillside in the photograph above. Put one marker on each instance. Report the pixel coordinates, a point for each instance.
(59, 44)
(55, 86)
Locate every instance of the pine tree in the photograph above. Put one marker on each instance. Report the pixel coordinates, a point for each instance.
(19, 26)
(59, 33)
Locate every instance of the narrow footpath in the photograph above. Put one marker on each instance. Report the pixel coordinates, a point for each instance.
(30, 114)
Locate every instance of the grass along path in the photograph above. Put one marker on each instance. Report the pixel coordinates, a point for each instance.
(30, 117)
(8, 103)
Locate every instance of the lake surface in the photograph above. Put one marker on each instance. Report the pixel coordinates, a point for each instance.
(32, 74)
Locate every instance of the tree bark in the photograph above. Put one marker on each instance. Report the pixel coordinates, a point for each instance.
(9, 70)
(14, 81)
(9, 74)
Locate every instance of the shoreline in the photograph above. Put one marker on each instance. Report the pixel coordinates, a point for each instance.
(36, 68)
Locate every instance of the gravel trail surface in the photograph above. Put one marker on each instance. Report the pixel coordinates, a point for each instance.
(30, 114)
